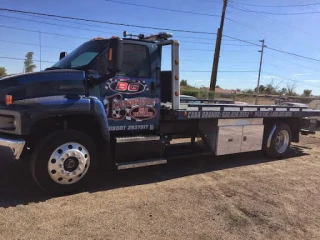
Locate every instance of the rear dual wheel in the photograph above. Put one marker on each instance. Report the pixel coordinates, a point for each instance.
(280, 141)
(63, 162)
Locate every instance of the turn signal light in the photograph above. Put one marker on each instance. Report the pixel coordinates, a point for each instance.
(8, 99)
(110, 54)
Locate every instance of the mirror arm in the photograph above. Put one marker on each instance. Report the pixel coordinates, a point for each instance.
(96, 81)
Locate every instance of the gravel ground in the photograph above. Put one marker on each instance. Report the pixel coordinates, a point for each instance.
(244, 196)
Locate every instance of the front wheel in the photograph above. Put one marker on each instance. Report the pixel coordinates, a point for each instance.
(280, 141)
(63, 161)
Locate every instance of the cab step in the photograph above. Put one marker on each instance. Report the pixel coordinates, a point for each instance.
(142, 163)
(137, 139)
(130, 149)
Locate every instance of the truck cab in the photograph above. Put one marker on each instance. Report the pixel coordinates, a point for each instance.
(132, 97)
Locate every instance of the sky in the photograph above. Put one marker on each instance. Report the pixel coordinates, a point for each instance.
(249, 20)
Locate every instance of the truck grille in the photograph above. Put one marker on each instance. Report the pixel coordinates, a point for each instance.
(7, 123)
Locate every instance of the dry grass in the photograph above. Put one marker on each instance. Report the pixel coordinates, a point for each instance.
(244, 196)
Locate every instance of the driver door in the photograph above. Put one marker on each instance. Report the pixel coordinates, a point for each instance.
(131, 98)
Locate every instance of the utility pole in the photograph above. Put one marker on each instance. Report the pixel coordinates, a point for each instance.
(258, 84)
(215, 63)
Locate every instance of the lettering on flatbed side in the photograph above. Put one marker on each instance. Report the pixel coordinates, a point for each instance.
(237, 114)
(261, 114)
(214, 114)
(194, 114)
(273, 114)
(211, 115)
(244, 114)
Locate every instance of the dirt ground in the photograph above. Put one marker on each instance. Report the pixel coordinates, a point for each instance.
(246, 196)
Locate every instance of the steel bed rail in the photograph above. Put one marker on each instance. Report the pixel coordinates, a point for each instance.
(242, 107)
(225, 111)
(207, 100)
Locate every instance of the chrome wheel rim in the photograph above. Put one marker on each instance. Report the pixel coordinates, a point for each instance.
(68, 163)
(282, 141)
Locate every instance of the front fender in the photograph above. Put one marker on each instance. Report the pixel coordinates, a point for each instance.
(37, 109)
(98, 110)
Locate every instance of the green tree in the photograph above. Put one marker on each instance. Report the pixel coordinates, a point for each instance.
(184, 83)
(249, 91)
(261, 89)
(3, 72)
(29, 66)
(283, 91)
(218, 86)
(306, 93)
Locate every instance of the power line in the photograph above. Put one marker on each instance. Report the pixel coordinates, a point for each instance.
(106, 22)
(274, 13)
(279, 6)
(238, 71)
(286, 25)
(251, 27)
(59, 20)
(165, 9)
(217, 1)
(291, 62)
(30, 44)
(54, 24)
(55, 34)
(121, 24)
(274, 35)
(208, 50)
(97, 30)
(240, 40)
(24, 59)
(285, 67)
(293, 54)
(225, 44)
(194, 60)
(291, 79)
(88, 29)
(54, 19)
(192, 37)
(273, 20)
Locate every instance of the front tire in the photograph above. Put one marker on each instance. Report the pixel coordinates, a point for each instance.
(63, 162)
(280, 142)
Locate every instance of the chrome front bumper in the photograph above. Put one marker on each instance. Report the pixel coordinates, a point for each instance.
(11, 148)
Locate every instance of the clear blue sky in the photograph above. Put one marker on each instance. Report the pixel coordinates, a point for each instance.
(298, 34)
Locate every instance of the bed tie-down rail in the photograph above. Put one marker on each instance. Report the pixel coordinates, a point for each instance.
(217, 111)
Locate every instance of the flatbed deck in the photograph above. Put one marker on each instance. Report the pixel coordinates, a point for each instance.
(216, 111)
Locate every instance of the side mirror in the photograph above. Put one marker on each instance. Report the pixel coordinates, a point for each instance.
(115, 55)
(62, 55)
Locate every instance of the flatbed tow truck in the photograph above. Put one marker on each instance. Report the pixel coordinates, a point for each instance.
(109, 102)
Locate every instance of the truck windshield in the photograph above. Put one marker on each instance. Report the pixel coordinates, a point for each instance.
(82, 56)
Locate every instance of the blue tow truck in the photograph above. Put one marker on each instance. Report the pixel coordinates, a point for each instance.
(109, 102)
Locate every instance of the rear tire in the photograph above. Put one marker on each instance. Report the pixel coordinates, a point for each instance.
(280, 141)
(62, 162)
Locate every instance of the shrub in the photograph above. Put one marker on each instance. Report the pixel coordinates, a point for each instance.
(190, 92)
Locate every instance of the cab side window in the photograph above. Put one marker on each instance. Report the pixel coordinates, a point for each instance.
(136, 61)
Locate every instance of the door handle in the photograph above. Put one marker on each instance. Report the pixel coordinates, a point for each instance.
(153, 87)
